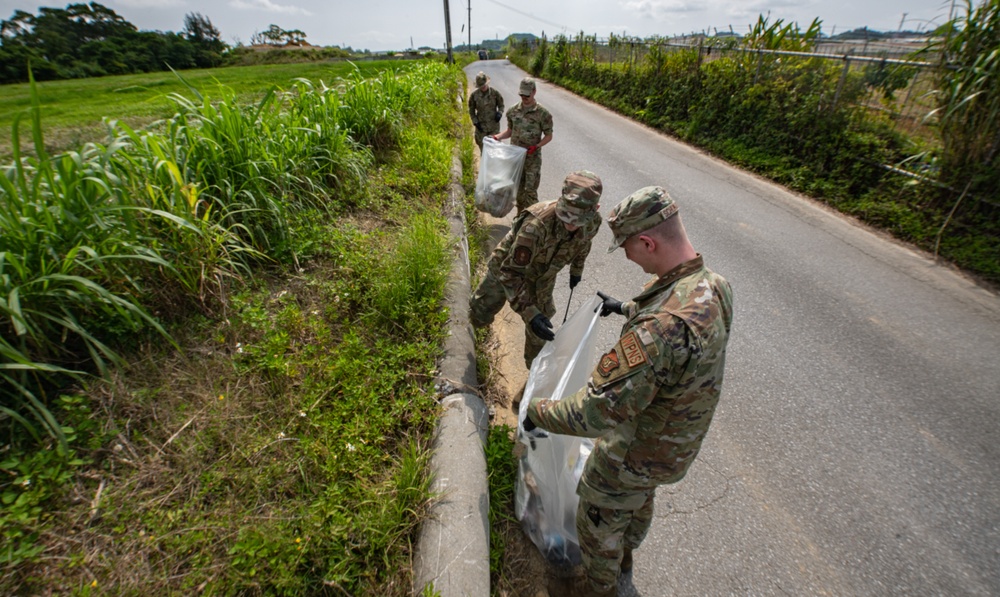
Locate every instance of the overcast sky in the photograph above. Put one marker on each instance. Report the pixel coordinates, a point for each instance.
(391, 24)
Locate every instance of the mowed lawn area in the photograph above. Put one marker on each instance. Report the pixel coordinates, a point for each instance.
(73, 110)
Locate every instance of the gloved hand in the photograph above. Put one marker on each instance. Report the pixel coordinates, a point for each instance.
(531, 430)
(574, 280)
(495, 137)
(498, 116)
(532, 149)
(610, 305)
(542, 327)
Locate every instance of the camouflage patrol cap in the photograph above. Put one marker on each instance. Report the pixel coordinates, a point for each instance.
(481, 79)
(527, 86)
(580, 193)
(639, 212)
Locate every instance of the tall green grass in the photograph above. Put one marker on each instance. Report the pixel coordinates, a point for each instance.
(105, 242)
(968, 106)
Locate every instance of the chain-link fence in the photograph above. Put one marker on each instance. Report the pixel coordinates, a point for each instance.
(899, 85)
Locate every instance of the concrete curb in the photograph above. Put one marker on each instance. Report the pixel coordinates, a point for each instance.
(453, 552)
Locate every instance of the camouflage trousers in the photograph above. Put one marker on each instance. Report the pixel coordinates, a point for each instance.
(604, 533)
(527, 189)
(490, 298)
(485, 132)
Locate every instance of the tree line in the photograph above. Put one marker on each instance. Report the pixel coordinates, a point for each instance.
(91, 40)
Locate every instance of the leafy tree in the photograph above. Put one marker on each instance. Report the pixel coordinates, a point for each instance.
(199, 29)
(294, 37)
(206, 39)
(88, 40)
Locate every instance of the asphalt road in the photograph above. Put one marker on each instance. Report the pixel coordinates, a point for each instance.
(855, 449)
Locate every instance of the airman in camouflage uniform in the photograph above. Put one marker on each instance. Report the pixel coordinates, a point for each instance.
(542, 240)
(651, 398)
(529, 125)
(485, 109)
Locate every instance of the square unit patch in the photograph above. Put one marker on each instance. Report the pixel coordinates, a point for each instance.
(634, 354)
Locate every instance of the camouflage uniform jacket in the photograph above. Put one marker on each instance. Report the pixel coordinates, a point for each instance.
(483, 108)
(651, 398)
(528, 125)
(529, 257)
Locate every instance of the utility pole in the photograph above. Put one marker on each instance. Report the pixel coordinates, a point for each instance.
(447, 32)
(470, 24)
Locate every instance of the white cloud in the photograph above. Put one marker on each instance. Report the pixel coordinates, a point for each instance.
(775, 7)
(151, 3)
(661, 9)
(268, 6)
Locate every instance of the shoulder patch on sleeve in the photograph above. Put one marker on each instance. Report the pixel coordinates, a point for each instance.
(634, 353)
(626, 358)
(522, 255)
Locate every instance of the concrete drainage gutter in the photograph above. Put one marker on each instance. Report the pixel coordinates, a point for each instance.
(453, 552)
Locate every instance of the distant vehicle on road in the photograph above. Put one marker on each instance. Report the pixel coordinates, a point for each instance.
(483, 55)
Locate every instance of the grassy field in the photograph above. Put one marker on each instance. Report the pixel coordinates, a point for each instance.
(218, 340)
(73, 110)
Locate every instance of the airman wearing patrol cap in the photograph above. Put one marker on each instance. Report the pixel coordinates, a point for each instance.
(543, 239)
(529, 125)
(485, 108)
(651, 398)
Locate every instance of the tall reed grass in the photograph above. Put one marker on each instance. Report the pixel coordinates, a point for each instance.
(968, 101)
(108, 241)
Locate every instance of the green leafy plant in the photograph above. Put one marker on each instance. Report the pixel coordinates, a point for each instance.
(968, 102)
(501, 466)
(284, 450)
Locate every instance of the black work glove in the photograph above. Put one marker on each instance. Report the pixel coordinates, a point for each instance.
(542, 327)
(532, 432)
(574, 280)
(498, 116)
(610, 305)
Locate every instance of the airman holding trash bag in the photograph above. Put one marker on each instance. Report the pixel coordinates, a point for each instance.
(529, 125)
(651, 398)
(543, 239)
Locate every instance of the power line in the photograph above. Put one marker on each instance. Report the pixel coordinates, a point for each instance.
(529, 15)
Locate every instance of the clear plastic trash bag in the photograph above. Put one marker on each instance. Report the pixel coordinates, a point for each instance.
(545, 500)
(499, 174)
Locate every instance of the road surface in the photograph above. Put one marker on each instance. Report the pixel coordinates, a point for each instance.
(855, 448)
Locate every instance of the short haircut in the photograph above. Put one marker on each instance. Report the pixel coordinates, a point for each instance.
(668, 231)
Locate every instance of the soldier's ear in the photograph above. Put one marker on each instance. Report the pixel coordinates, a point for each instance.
(648, 242)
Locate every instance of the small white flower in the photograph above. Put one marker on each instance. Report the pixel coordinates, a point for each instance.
(281, 435)
(26, 482)
(350, 447)
(302, 413)
(239, 347)
(315, 311)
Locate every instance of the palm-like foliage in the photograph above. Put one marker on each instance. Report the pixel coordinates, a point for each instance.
(92, 242)
(968, 98)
